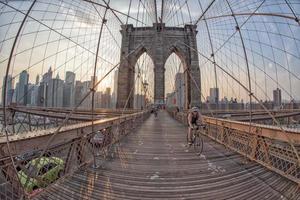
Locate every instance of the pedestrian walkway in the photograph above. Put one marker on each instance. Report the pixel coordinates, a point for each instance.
(154, 163)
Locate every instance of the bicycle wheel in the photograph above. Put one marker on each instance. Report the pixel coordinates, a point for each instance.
(192, 139)
(198, 144)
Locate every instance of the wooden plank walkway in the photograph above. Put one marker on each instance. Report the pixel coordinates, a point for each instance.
(154, 163)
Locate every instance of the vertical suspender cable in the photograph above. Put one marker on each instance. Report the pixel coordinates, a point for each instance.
(128, 11)
(95, 66)
(246, 61)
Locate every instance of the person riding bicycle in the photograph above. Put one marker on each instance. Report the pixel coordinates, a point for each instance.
(194, 121)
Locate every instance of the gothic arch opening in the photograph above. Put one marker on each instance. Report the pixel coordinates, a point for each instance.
(159, 48)
(175, 81)
(144, 81)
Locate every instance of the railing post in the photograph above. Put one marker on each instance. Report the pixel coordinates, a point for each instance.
(222, 132)
(29, 122)
(266, 151)
(10, 176)
(80, 148)
(69, 156)
(44, 122)
(254, 147)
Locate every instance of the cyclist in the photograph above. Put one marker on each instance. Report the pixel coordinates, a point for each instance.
(194, 117)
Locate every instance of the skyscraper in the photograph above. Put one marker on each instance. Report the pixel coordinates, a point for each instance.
(42, 94)
(179, 90)
(35, 95)
(86, 85)
(115, 90)
(30, 93)
(78, 92)
(9, 89)
(98, 99)
(69, 90)
(277, 97)
(43, 88)
(106, 98)
(23, 87)
(15, 95)
(55, 92)
(48, 75)
(214, 95)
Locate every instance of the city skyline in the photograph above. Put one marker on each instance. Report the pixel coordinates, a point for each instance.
(138, 99)
(269, 67)
(52, 91)
(62, 91)
(176, 98)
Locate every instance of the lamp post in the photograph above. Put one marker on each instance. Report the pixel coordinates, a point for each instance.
(145, 86)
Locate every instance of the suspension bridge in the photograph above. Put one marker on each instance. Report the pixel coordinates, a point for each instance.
(81, 79)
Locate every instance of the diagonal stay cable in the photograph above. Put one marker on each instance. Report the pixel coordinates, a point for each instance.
(95, 64)
(77, 106)
(5, 86)
(34, 19)
(203, 13)
(114, 11)
(292, 10)
(254, 96)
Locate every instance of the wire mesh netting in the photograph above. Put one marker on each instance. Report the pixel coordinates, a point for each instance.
(63, 64)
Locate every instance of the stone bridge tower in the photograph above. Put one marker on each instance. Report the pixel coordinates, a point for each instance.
(159, 42)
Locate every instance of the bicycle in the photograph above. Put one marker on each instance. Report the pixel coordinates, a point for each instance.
(197, 141)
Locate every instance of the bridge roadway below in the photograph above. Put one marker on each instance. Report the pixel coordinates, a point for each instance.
(154, 163)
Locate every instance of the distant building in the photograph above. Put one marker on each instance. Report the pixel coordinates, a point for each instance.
(171, 99)
(47, 76)
(55, 92)
(23, 87)
(29, 93)
(106, 98)
(35, 95)
(277, 97)
(42, 99)
(214, 95)
(78, 92)
(180, 90)
(224, 100)
(98, 99)
(15, 95)
(69, 90)
(115, 90)
(42, 94)
(9, 89)
(86, 85)
(139, 101)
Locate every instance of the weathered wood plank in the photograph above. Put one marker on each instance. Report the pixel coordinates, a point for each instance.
(154, 163)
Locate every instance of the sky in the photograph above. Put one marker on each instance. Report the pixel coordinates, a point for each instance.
(64, 35)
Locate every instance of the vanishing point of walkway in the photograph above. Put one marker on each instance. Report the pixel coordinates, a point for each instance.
(153, 163)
